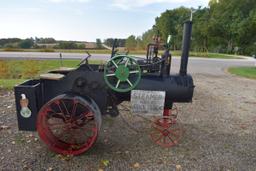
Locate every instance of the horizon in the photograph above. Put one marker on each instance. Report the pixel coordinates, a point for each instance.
(83, 20)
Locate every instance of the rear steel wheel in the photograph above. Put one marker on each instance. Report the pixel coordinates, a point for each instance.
(69, 125)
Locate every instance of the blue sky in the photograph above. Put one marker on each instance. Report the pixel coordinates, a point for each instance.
(83, 20)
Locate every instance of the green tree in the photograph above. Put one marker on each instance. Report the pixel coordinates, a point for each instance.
(171, 23)
(201, 30)
(26, 44)
(67, 45)
(131, 42)
(98, 43)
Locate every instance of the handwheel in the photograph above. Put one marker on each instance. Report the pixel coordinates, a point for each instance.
(165, 132)
(69, 124)
(122, 73)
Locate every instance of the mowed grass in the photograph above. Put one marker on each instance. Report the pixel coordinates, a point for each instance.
(248, 72)
(8, 84)
(13, 72)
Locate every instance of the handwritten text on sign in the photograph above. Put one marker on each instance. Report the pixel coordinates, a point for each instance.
(147, 102)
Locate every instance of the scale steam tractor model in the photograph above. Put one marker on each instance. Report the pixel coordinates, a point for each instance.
(65, 106)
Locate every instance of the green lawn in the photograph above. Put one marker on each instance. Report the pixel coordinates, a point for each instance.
(10, 83)
(248, 72)
(13, 72)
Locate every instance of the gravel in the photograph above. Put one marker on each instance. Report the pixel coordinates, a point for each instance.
(220, 134)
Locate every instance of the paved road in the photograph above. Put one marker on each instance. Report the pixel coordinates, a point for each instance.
(196, 65)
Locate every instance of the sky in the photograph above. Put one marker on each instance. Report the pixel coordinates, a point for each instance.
(83, 20)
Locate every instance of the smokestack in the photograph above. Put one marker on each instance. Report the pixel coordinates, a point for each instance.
(187, 31)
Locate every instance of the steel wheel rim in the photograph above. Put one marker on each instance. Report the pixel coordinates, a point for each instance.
(66, 134)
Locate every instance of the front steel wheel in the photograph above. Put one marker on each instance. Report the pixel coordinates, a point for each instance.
(68, 124)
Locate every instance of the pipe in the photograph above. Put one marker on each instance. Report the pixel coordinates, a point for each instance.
(187, 31)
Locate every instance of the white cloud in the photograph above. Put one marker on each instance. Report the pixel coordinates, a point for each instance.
(128, 4)
(59, 1)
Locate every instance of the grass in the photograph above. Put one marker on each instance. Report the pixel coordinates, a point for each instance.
(132, 52)
(17, 71)
(8, 84)
(248, 72)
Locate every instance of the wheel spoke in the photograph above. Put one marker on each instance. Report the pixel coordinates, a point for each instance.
(63, 103)
(58, 115)
(127, 61)
(114, 63)
(158, 139)
(134, 72)
(129, 82)
(171, 139)
(74, 108)
(110, 75)
(173, 133)
(157, 128)
(60, 109)
(117, 84)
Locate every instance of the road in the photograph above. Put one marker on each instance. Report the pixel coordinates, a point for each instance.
(196, 65)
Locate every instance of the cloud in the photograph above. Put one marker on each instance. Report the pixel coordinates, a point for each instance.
(60, 1)
(128, 4)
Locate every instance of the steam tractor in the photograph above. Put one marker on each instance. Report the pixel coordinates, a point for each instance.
(65, 106)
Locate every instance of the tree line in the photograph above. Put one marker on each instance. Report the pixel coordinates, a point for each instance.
(226, 26)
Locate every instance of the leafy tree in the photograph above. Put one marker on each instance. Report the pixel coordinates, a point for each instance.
(26, 44)
(131, 42)
(98, 43)
(201, 30)
(110, 42)
(67, 45)
(48, 40)
(171, 23)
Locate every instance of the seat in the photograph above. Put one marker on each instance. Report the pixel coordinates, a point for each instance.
(63, 69)
(51, 76)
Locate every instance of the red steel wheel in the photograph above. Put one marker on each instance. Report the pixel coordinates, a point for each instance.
(69, 124)
(165, 132)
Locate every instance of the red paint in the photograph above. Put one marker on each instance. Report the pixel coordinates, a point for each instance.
(165, 131)
(66, 128)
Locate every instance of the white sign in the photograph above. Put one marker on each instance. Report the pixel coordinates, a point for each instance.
(147, 102)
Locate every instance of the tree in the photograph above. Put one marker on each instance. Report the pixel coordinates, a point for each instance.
(131, 42)
(147, 38)
(67, 45)
(26, 44)
(201, 30)
(171, 23)
(98, 43)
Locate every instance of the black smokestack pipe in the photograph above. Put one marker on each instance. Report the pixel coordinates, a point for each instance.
(187, 31)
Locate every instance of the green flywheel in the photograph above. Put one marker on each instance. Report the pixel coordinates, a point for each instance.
(122, 73)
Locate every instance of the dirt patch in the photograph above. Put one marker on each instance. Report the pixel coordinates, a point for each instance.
(220, 134)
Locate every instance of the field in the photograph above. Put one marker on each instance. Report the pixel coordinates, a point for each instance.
(13, 72)
(248, 72)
